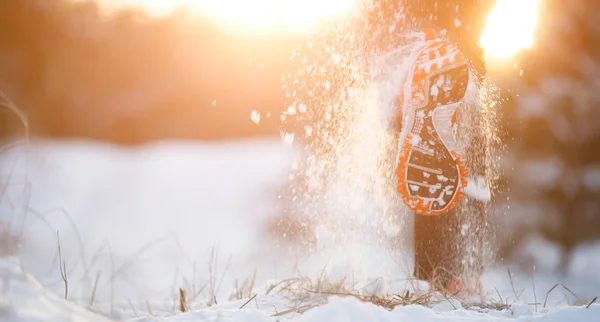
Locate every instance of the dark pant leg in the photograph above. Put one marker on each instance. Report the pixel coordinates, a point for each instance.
(436, 247)
(450, 246)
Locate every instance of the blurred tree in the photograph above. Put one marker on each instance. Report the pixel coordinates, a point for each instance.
(556, 156)
(23, 54)
(129, 79)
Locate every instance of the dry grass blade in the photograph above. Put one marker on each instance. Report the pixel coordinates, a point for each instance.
(252, 283)
(357, 296)
(387, 302)
(63, 266)
(135, 256)
(6, 102)
(94, 288)
(409, 299)
(223, 274)
(182, 300)
(237, 294)
(212, 263)
(132, 308)
(198, 292)
(568, 290)
(298, 310)
(75, 230)
(423, 299)
(249, 300)
(500, 296)
(534, 292)
(149, 309)
(285, 284)
(512, 284)
(489, 306)
(550, 291)
(449, 297)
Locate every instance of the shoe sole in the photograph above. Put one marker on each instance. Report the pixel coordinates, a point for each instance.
(431, 172)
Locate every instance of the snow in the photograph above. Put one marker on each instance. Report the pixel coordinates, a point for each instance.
(233, 315)
(24, 299)
(477, 189)
(146, 221)
(255, 117)
(146, 216)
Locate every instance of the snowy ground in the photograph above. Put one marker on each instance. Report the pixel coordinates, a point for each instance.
(137, 224)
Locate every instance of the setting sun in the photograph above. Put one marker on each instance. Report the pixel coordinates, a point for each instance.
(510, 28)
(254, 15)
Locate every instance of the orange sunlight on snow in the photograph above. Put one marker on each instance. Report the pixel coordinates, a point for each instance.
(510, 28)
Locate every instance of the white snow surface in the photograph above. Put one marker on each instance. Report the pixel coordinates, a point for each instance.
(22, 298)
(146, 221)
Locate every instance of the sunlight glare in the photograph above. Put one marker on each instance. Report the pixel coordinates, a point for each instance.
(294, 15)
(510, 28)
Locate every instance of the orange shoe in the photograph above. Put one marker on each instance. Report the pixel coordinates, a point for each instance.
(430, 169)
(460, 289)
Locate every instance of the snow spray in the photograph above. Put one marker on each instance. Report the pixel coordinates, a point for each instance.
(340, 100)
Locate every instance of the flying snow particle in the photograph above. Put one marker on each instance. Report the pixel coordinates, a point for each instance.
(302, 108)
(308, 131)
(464, 229)
(255, 117)
(291, 110)
(288, 138)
